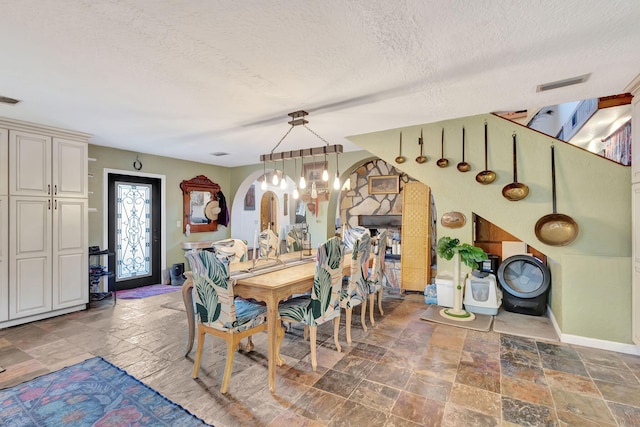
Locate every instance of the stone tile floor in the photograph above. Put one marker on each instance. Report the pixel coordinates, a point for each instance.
(402, 372)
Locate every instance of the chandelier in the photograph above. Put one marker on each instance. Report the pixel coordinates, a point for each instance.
(279, 177)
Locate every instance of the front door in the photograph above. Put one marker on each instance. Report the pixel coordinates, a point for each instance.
(134, 231)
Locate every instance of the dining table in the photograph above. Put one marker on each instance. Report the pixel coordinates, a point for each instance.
(271, 281)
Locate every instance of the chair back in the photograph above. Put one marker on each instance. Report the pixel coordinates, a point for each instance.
(360, 267)
(294, 239)
(327, 282)
(235, 250)
(377, 271)
(268, 242)
(214, 296)
(351, 234)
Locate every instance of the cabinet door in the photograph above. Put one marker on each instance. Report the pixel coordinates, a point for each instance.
(69, 168)
(29, 164)
(29, 256)
(4, 258)
(416, 255)
(70, 247)
(4, 161)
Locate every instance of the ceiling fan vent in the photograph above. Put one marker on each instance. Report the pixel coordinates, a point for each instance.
(7, 100)
(562, 83)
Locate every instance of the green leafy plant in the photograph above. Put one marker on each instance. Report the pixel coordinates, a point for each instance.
(469, 255)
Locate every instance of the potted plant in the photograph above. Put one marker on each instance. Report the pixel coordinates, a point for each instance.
(449, 248)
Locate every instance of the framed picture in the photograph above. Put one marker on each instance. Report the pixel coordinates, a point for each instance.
(384, 184)
(250, 199)
(313, 172)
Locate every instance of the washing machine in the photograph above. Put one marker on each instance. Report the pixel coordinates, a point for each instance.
(526, 283)
(481, 294)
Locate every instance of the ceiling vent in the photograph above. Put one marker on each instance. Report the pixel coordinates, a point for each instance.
(219, 154)
(562, 83)
(7, 100)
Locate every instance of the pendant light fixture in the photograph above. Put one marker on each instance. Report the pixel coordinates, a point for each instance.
(296, 194)
(263, 184)
(336, 181)
(298, 118)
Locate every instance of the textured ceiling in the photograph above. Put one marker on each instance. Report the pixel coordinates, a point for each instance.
(187, 78)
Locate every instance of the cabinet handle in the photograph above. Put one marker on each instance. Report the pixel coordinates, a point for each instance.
(55, 190)
(49, 203)
(55, 204)
(48, 189)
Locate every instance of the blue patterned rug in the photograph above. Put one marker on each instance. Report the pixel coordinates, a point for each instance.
(91, 393)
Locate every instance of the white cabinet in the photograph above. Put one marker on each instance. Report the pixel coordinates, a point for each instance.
(45, 218)
(4, 257)
(635, 263)
(30, 283)
(4, 224)
(4, 162)
(44, 166)
(70, 243)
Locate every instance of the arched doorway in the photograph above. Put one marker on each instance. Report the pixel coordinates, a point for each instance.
(269, 211)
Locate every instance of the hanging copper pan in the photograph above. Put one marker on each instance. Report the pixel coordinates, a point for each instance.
(556, 229)
(463, 166)
(442, 162)
(486, 176)
(400, 158)
(421, 158)
(516, 190)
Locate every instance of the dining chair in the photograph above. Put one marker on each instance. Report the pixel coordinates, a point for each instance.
(235, 250)
(376, 279)
(323, 304)
(269, 243)
(357, 288)
(351, 234)
(218, 313)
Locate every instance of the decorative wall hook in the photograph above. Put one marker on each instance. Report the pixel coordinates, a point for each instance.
(137, 165)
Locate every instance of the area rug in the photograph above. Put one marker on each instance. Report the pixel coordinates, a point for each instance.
(482, 322)
(538, 327)
(146, 291)
(91, 393)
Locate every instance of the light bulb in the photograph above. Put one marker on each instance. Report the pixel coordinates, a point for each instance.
(296, 195)
(336, 183)
(314, 192)
(263, 184)
(325, 175)
(283, 183)
(274, 180)
(303, 183)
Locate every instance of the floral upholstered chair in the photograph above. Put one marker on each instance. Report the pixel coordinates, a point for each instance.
(235, 250)
(323, 304)
(376, 278)
(217, 312)
(357, 288)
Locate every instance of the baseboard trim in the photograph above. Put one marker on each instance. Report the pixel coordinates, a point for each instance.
(592, 342)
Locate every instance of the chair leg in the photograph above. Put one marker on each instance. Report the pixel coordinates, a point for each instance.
(249, 345)
(348, 324)
(196, 363)
(306, 332)
(380, 302)
(371, 308)
(336, 329)
(231, 351)
(314, 361)
(363, 313)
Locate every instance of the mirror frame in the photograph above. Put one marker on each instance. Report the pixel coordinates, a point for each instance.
(198, 183)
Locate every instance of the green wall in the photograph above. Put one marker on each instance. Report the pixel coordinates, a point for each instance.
(175, 171)
(590, 189)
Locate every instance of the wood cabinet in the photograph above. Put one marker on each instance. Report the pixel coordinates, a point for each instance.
(46, 255)
(416, 247)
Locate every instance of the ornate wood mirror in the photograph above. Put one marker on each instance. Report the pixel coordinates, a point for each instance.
(200, 204)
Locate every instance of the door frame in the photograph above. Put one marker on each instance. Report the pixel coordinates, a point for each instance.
(163, 208)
